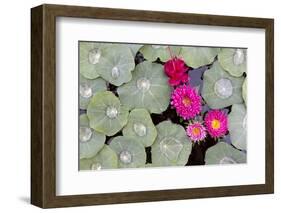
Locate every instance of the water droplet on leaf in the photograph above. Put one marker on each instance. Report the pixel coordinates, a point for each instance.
(111, 112)
(238, 57)
(85, 90)
(94, 56)
(223, 88)
(115, 73)
(125, 157)
(85, 134)
(140, 129)
(96, 166)
(171, 148)
(143, 84)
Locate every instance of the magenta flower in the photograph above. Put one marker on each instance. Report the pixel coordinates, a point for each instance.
(176, 70)
(216, 123)
(186, 101)
(196, 131)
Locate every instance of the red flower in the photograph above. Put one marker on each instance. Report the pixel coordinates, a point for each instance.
(176, 69)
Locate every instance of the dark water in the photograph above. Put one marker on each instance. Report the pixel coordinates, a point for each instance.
(197, 155)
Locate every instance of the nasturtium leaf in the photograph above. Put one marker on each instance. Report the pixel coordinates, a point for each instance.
(233, 61)
(130, 152)
(244, 91)
(198, 56)
(90, 55)
(106, 114)
(87, 88)
(237, 119)
(148, 88)
(90, 141)
(115, 64)
(220, 89)
(224, 153)
(134, 48)
(172, 147)
(163, 52)
(105, 159)
(140, 126)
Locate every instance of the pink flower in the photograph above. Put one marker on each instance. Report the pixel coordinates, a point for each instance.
(196, 131)
(216, 123)
(186, 101)
(176, 70)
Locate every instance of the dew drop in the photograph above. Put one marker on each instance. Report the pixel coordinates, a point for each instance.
(111, 112)
(85, 90)
(85, 134)
(164, 146)
(94, 56)
(96, 166)
(227, 160)
(238, 57)
(140, 129)
(125, 157)
(223, 88)
(143, 84)
(115, 73)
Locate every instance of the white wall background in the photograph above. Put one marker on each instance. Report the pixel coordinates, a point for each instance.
(15, 104)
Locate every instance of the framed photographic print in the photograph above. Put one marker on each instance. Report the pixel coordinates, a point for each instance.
(136, 106)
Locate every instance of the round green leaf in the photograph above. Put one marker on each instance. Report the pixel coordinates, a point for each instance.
(90, 55)
(106, 114)
(198, 56)
(148, 89)
(130, 152)
(140, 126)
(105, 159)
(233, 61)
(87, 88)
(238, 126)
(134, 48)
(115, 64)
(224, 153)
(164, 53)
(172, 147)
(221, 89)
(90, 141)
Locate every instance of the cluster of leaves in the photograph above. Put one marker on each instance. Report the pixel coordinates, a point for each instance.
(126, 119)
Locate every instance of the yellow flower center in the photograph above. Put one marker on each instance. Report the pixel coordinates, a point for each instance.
(196, 131)
(186, 101)
(216, 124)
